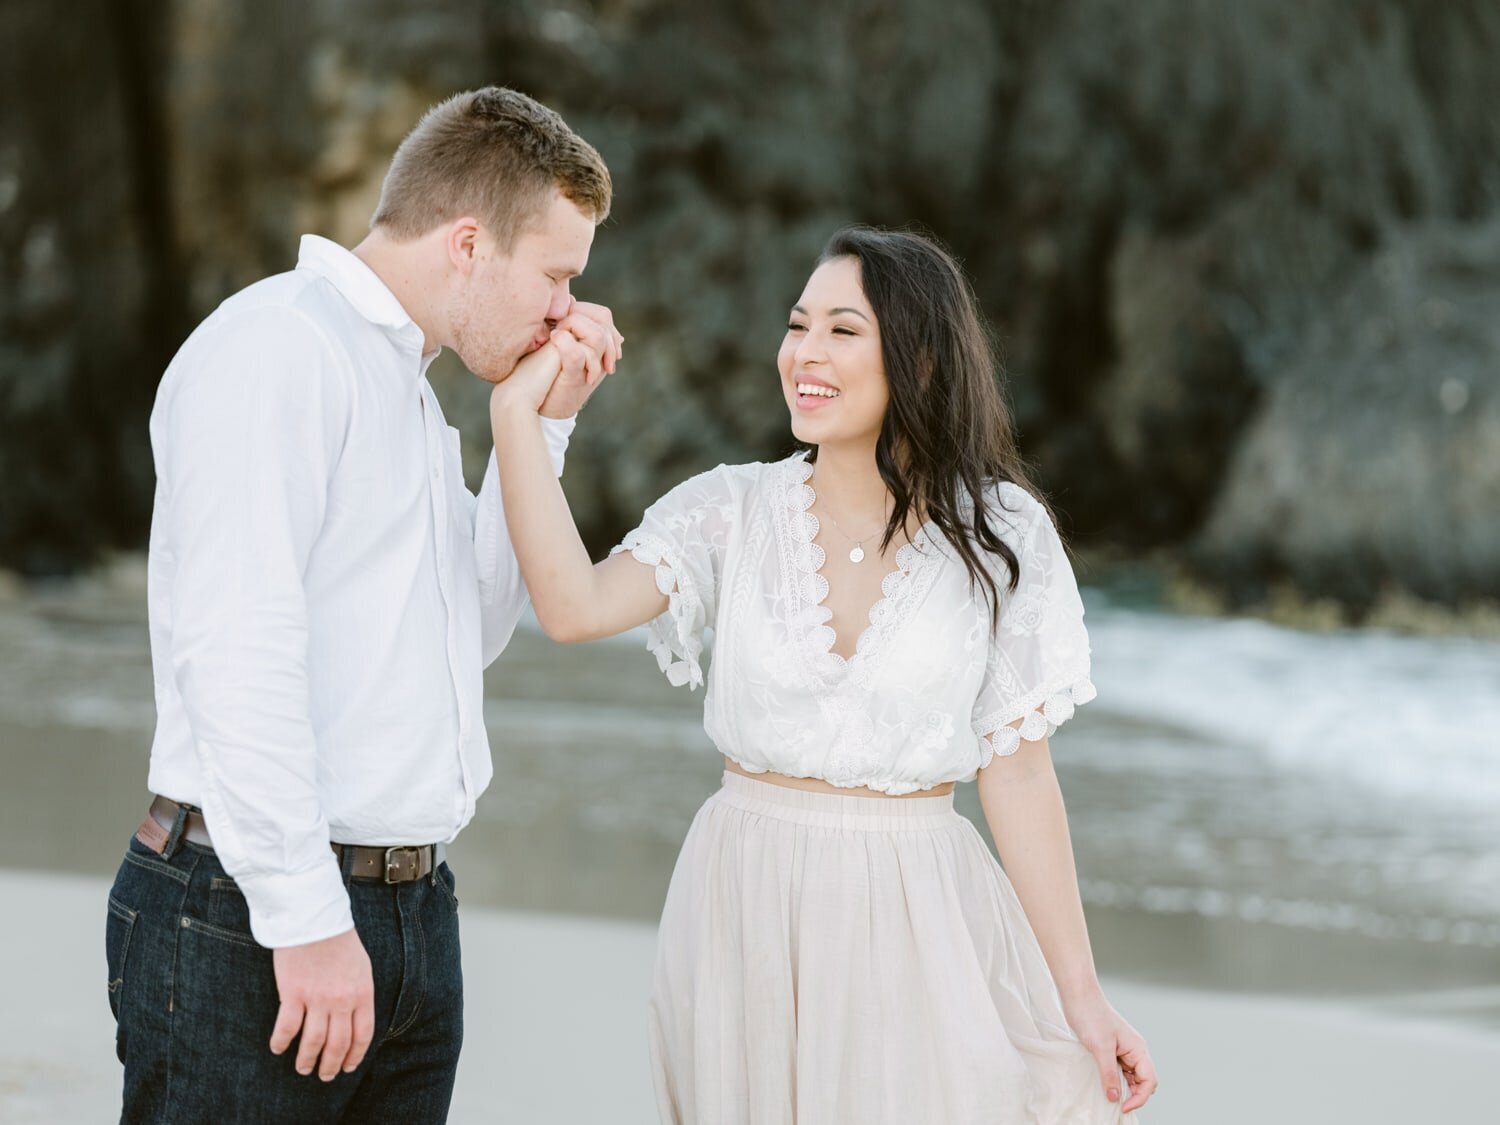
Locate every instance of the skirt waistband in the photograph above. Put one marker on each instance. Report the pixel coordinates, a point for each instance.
(834, 809)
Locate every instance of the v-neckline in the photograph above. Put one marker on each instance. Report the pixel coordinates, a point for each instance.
(808, 586)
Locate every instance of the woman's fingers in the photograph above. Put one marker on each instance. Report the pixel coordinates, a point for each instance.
(1140, 1073)
(1103, 1051)
(530, 381)
(1118, 1051)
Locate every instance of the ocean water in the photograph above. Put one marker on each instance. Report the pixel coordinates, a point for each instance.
(1333, 781)
(1344, 783)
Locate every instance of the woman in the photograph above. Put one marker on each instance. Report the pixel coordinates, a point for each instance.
(893, 613)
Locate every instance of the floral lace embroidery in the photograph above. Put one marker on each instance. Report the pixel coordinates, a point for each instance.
(807, 588)
(936, 732)
(931, 690)
(826, 673)
(675, 637)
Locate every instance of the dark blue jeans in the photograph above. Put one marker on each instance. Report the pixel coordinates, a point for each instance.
(195, 999)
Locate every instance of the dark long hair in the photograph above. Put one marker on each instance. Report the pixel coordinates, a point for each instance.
(947, 437)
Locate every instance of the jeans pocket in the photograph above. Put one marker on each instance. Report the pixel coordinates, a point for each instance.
(119, 925)
(227, 908)
(138, 855)
(448, 884)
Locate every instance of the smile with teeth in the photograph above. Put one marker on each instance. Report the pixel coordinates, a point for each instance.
(817, 390)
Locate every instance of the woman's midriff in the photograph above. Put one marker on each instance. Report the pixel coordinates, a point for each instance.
(815, 785)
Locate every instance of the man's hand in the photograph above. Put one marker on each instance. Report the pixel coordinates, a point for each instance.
(327, 994)
(596, 348)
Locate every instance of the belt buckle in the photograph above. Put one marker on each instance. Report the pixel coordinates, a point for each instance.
(392, 875)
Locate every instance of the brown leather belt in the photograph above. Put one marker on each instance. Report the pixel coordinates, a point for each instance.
(400, 864)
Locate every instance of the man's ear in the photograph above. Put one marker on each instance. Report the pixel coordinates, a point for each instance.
(463, 243)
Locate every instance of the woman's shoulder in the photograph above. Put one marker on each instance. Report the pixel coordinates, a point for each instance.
(752, 476)
(1014, 511)
(741, 482)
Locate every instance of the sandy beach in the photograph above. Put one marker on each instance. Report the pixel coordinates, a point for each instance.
(555, 1033)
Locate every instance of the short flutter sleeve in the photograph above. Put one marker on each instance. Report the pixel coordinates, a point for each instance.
(1038, 666)
(684, 536)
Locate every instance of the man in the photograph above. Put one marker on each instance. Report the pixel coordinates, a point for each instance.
(324, 595)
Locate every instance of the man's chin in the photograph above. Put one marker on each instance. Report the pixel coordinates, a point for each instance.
(498, 374)
(494, 373)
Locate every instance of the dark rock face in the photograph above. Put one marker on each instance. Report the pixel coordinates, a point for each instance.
(86, 291)
(1178, 371)
(1161, 204)
(1376, 462)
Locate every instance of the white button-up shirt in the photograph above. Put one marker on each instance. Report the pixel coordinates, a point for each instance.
(324, 590)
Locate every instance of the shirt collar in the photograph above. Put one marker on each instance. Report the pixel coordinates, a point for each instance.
(357, 282)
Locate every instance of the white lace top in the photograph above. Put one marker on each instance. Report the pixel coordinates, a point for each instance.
(932, 689)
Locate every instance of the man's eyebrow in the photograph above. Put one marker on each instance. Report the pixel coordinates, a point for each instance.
(834, 312)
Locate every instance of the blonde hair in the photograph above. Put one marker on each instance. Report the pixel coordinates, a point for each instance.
(495, 154)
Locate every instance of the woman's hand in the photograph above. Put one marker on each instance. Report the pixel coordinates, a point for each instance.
(526, 388)
(558, 378)
(1116, 1046)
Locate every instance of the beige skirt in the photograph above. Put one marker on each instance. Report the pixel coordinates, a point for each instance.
(827, 959)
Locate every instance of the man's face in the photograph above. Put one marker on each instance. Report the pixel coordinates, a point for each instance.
(506, 304)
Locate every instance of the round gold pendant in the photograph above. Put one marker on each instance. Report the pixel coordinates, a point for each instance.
(857, 555)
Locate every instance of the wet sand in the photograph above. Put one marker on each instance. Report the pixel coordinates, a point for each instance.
(604, 847)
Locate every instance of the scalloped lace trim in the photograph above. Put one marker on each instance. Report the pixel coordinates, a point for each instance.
(815, 637)
(675, 637)
(1041, 712)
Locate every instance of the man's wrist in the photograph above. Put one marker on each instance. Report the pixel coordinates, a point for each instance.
(559, 425)
(557, 432)
(315, 941)
(297, 909)
(556, 415)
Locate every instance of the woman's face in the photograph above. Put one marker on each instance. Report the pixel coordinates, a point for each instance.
(832, 373)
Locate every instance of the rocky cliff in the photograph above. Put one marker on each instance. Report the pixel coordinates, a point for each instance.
(1241, 255)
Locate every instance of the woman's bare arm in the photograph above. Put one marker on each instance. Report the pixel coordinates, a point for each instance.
(1024, 807)
(574, 598)
(1023, 804)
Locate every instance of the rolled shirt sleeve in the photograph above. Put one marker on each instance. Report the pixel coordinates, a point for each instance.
(502, 591)
(248, 435)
